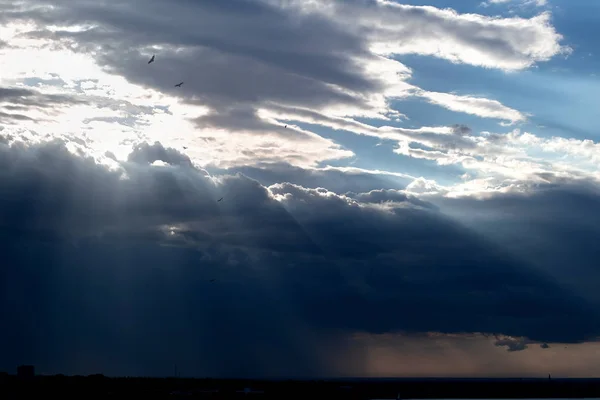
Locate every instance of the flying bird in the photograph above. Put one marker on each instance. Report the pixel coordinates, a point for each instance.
(179, 84)
(212, 280)
(151, 60)
(185, 147)
(219, 199)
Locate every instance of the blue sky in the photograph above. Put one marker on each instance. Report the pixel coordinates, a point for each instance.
(408, 188)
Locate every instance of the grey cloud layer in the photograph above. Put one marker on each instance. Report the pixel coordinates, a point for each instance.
(235, 52)
(16, 103)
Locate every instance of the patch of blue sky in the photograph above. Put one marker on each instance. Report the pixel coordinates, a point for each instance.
(572, 110)
(376, 154)
(422, 113)
(561, 103)
(36, 82)
(577, 21)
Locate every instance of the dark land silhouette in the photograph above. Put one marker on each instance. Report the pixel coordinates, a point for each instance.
(101, 387)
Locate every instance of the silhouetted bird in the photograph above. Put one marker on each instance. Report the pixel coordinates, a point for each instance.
(212, 280)
(219, 199)
(179, 84)
(184, 147)
(285, 126)
(151, 60)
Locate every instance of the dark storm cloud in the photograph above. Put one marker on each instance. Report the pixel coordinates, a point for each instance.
(107, 270)
(513, 344)
(564, 214)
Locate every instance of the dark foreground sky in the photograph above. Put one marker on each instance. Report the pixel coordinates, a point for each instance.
(431, 209)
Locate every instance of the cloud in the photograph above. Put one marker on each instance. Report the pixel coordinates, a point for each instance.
(307, 60)
(461, 129)
(15, 103)
(144, 153)
(243, 85)
(299, 271)
(336, 179)
(509, 43)
(422, 185)
(479, 106)
(147, 114)
(391, 197)
(502, 158)
(504, 162)
(525, 224)
(512, 344)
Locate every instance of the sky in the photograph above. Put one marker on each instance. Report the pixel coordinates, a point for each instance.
(369, 188)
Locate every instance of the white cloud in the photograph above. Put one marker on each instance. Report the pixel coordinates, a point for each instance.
(479, 106)
(424, 186)
(505, 43)
(500, 163)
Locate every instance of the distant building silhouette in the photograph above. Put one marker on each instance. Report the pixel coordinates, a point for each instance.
(25, 371)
